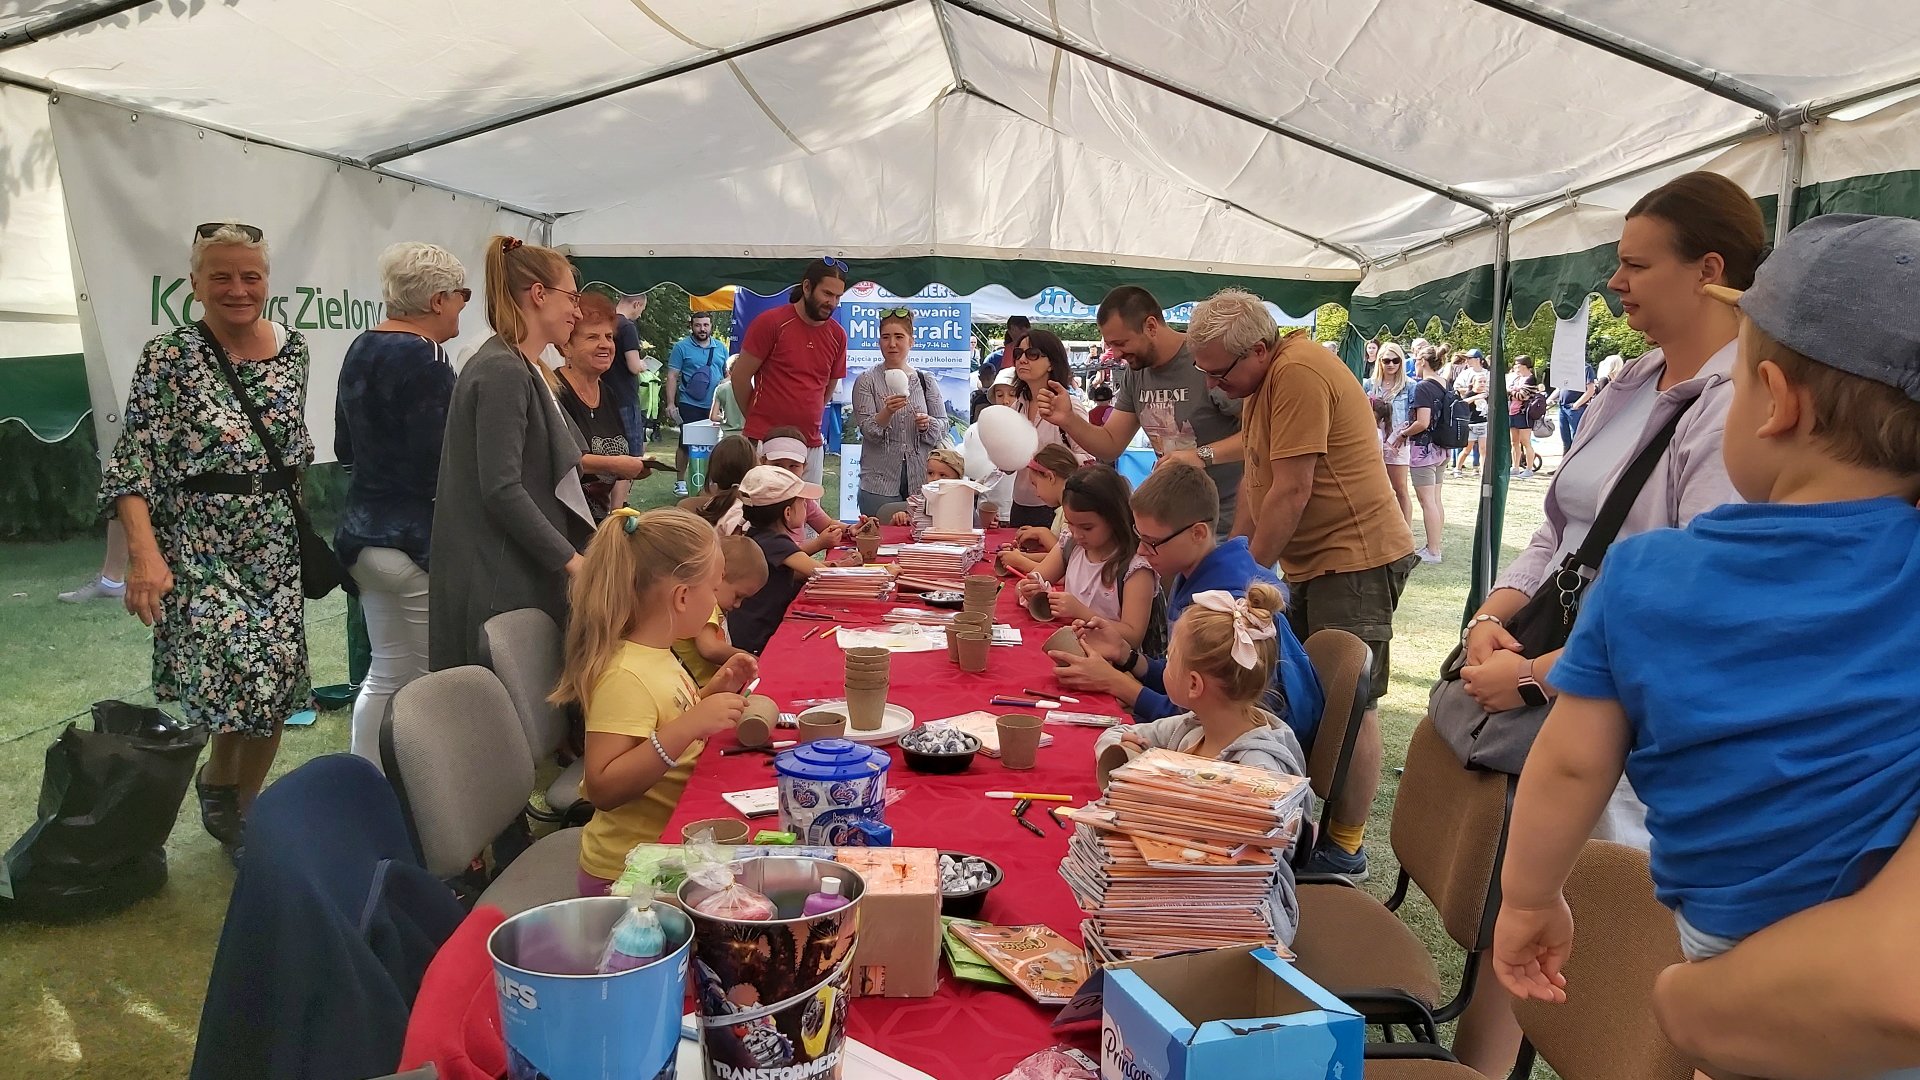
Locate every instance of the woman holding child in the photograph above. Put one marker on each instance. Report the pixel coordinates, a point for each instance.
(1697, 230)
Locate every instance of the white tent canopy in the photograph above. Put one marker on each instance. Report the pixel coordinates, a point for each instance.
(1306, 147)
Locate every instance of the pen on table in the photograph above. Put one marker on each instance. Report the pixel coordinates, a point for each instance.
(1030, 796)
(1044, 696)
(1019, 815)
(1043, 703)
(767, 749)
(1054, 813)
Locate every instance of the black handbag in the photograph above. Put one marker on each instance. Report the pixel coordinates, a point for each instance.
(1499, 741)
(320, 569)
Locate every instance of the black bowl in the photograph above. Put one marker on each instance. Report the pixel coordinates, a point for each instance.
(967, 905)
(939, 764)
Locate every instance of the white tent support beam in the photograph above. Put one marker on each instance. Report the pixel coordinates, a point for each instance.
(1717, 83)
(1275, 126)
(55, 92)
(1793, 146)
(940, 18)
(1358, 257)
(692, 64)
(62, 21)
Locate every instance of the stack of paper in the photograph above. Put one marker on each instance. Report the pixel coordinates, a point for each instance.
(937, 565)
(850, 583)
(1182, 853)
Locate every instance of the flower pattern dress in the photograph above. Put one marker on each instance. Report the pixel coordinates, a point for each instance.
(230, 647)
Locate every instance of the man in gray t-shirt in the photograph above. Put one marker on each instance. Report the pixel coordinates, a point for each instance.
(1162, 393)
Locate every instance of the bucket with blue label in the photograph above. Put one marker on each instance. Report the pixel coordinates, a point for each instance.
(772, 977)
(564, 1020)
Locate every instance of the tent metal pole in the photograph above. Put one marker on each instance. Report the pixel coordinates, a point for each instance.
(1717, 83)
(940, 18)
(1277, 127)
(1793, 145)
(1487, 532)
(418, 146)
(74, 18)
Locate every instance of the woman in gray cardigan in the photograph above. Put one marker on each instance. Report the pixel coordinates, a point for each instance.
(509, 518)
(896, 429)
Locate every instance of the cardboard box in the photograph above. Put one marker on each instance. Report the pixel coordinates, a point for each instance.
(1224, 1012)
(898, 955)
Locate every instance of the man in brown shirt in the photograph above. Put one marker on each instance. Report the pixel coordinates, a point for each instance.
(1315, 498)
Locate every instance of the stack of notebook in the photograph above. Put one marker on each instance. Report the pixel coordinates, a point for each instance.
(1182, 853)
(937, 566)
(850, 583)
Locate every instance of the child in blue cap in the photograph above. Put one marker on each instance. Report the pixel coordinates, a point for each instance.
(1753, 672)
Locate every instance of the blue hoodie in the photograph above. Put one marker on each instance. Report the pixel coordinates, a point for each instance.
(1295, 695)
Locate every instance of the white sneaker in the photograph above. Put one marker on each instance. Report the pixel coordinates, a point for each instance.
(1428, 557)
(680, 488)
(93, 590)
(1521, 474)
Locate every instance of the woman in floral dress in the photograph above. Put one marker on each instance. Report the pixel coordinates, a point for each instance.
(214, 564)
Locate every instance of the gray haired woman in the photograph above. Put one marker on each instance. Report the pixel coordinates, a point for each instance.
(901, 417)
(213, 558)
(390, 417)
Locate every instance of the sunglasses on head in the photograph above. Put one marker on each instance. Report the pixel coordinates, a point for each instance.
(209, 230)
(896, 313)
(835, 263)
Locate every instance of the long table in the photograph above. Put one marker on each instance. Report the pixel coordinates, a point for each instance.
(966, 1030)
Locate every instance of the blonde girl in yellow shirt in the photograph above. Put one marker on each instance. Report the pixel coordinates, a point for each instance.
(648, 580)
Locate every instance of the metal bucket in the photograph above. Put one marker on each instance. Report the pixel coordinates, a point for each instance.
(772, 996)
(564, 1021)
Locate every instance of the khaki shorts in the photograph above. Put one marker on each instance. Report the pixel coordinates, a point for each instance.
(1362, 603)
(1425, 475)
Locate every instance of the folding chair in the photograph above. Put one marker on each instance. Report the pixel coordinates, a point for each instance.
(1344, 664)
(457, 757)
(525, 649)
(1606, 1030)
(1449, 833)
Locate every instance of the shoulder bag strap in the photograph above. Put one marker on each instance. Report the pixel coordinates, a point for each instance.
(1626, 491)
(240, 396)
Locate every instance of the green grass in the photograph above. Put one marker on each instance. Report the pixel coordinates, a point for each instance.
(122, 996)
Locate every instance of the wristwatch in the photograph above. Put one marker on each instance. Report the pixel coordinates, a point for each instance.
(1531, 691)
(1206, 454)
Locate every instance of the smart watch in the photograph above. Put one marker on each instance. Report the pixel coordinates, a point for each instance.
(1531, 691)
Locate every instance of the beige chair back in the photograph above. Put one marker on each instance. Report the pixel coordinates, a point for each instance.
(1449, 823)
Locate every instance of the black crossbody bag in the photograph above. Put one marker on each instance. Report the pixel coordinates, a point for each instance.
(320, 569)
(1499, 741)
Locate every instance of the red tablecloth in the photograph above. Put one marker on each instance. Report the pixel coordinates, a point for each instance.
(965, 1030)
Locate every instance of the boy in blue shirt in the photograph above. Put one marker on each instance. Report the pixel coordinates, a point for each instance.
(1754, 672)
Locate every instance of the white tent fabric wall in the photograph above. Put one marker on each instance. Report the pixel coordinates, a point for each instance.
(37, 310)
(1367, 126)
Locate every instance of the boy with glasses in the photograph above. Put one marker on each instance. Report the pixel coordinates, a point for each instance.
(1173, 513)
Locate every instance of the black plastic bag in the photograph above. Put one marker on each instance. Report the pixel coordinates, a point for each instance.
(107, 802)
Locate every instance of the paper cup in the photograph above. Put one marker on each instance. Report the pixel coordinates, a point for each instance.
(1063, 640)
(726, 831)
(822, 724)
(972, 653)
(561, 1017)
(1019, 739)
(1040, 606)
(865, 707)
(771, 997)
(757, 723)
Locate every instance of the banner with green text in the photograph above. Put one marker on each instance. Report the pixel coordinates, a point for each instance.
(137, 185)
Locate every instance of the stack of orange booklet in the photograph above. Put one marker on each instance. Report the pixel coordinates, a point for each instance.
(1182, 853)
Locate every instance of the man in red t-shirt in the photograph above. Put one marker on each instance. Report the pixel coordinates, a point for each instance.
(792, 358)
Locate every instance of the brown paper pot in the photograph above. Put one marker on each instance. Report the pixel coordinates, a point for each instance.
(725, 830)
(1019, 739)
(989, 516)
(953, 644)
(753, 731)
(869, 546)
(822, 724)
(868, 676)
(1062, 640)
(973, 650)
(868, 654)
(1110, 759)
(1040, 606)
(865, 707)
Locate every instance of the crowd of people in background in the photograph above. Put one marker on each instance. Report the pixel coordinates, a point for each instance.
(1282, 500)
